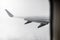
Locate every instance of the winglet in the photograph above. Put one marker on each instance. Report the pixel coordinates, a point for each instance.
(9, 13)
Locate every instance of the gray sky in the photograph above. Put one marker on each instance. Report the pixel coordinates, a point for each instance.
(14, 28)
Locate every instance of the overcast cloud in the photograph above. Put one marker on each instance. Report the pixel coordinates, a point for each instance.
(14, 28)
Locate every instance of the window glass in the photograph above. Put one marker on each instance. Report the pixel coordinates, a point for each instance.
(25, 20)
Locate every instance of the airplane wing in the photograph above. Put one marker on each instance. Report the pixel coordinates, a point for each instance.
(42, 24)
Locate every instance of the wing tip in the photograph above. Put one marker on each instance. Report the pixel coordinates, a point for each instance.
(8, 13)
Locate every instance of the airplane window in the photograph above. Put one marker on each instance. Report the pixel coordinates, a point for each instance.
(24, 20)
